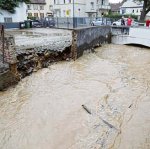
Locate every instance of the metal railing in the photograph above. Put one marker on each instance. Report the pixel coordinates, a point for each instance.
(77, 22)
(120, 30)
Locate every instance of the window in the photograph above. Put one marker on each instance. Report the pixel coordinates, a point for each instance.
(51, 7)
(69, 1)
(29, 7)
(64, 1)
(41, 15)
(7, 20)
(41, 7)
(36, 15)
(54, 1)
(133, 11)
(35, 7)
(102, 2)
(58, 2)
(29, 14)
(64, 13)
(92, 5)
(137, 11)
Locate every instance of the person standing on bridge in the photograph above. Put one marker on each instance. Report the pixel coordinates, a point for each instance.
(129, 21)
(148, 23)
(123, 24)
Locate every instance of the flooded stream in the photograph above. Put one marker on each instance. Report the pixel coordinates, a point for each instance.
(44, 111)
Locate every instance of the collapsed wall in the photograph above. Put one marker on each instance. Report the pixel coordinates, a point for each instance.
(30, 50)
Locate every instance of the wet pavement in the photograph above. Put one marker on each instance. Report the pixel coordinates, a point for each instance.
(45, 109)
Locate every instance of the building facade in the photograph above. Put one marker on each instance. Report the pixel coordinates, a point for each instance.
(36, 9)
(19, 15)
(68, 8)
(132, 7)
(103, 7)
(78, 8)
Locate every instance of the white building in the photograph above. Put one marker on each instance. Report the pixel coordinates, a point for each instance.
(19, 15)
(69, 8)
(132, 7)
(78, 8)
(37, 9)
(103, 7)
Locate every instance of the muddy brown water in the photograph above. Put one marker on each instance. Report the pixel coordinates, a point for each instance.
(44, 111)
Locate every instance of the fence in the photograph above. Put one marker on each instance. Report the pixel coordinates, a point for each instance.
(68, 22)
(79, 22)
(120, 30)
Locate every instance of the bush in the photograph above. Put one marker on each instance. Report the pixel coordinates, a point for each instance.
(119, 16)
(31, 18)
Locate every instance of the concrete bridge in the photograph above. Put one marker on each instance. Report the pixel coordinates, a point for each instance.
(131, 35)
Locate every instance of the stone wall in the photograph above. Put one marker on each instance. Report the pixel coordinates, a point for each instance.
(8, 67)
(89, 38)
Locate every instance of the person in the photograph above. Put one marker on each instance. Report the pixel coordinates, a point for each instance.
(129, 21)
(148, 23)
(122, 23)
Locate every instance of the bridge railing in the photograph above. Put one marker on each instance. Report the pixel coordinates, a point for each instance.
(120, 30)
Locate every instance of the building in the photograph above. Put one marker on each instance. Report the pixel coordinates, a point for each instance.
(36, 9)
(80, 8)
(103, 7)
(115, 8)
(91, 8)
(132, 7)
(68, 8)
(19, 15)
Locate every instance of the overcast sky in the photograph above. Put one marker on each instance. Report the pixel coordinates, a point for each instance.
(114, 1)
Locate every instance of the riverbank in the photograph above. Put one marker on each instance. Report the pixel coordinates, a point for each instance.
(45, 109)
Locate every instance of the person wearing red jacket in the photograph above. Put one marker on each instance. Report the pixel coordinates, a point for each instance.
(148, 23)
(129, 21)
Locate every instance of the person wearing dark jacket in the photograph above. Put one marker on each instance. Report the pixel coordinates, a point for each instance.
(122, 21)
(123, 24)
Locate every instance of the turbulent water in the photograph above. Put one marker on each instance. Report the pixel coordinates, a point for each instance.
(44, 111)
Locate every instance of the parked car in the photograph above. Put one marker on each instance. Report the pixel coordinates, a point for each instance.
(37, 23)
(118, 23)
(101, 21)
(49, 22)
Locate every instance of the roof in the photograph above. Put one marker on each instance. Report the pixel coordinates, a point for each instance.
(115, 6)
(131, 4)
(37, 2)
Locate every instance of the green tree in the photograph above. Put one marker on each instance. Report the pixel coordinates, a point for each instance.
(145, 10)
(10, 5)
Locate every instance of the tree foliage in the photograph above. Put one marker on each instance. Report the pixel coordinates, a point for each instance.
(10, 5)
(145, 10)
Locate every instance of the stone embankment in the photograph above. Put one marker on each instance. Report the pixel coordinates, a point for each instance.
(30, 50)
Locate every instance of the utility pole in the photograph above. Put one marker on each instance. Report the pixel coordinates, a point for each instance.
(73, 15)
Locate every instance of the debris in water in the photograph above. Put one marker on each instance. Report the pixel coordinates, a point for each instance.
(108, 124)
(86, 109)
(130, 106)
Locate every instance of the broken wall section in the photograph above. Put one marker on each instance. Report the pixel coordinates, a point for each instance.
(88, 38)
(8, 71)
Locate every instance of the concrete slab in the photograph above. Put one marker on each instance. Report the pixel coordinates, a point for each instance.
(42, 38)
(137, 35)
